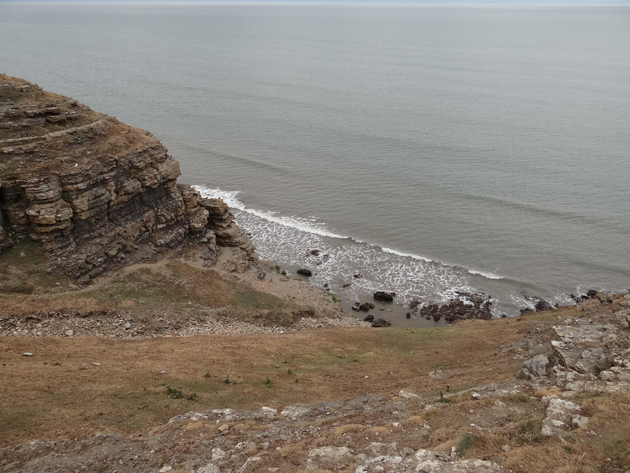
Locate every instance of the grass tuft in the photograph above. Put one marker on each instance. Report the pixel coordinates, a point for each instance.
(466, 442)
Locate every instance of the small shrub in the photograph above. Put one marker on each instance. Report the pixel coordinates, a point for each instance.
(466, 442)
(289, 371)
(528, 432)
(192, 397)
(284, 273)
(334, 298)
(174, 393)
(277, 268)
(568, 448)
(227, 380)
(268, 382)
(207, 375)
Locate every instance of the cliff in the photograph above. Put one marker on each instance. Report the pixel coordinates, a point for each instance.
(97, 194)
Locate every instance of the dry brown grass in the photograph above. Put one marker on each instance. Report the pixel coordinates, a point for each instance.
(168, 289)
(60, 391)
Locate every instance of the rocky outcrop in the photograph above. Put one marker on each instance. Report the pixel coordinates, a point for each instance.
(465, 306)
(221, 222)
(95, 193)
(585, 354)
(329, 436)
(562, 415)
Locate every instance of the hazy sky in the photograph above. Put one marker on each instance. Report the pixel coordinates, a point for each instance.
(468, 2)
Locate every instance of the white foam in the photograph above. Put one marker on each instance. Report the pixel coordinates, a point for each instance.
(229, 197)
(309, 225)
(485, 274)
(290, 240)
(408, 255)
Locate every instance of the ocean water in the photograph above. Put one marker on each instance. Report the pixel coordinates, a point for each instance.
(433, 149)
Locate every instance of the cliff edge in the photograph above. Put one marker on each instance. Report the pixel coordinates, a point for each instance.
(97, 194)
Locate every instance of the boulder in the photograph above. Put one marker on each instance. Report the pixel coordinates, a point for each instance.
(537, 366)
(378, 323)
(384, 296)
(305, 272)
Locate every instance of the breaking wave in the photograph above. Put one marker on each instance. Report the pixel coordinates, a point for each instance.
(351, 268)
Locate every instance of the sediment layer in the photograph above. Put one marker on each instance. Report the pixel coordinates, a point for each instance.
(97, 194)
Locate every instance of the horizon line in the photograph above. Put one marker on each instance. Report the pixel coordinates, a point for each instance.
(556, 3)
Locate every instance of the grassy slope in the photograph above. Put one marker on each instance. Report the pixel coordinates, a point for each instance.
(61, 392)
(127, 394)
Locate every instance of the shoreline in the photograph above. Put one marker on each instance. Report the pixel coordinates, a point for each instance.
(294, 243)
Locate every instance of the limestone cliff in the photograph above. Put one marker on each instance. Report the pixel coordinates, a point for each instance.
(97, 194)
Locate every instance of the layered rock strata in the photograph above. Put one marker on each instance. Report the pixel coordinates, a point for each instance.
(95, 193)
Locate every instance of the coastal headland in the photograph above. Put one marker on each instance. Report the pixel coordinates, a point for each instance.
(139, 331)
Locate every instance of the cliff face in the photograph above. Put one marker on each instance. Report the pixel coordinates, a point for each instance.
(95, 193)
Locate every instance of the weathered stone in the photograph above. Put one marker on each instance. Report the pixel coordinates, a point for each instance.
(267, 412)
(378, 323)
(328, 458)
(560, 414)
(103, 185)
(537, 366)
(384, 296)
(465, 306)
(296, 410)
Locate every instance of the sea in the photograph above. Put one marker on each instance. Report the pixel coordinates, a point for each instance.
(429, 150)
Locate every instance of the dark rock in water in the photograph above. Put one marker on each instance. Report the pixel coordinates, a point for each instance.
(579, 298)
(369, 318)
(540, 305)
(315, 252)
(358, 276)
(467, 306)
(364, 307)
(408, 315)
(346, 285)
(384, 296)
(356, 306)
(591, 293)
(305, 272)
(326, 285)
(381, 323)
(370, 305)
